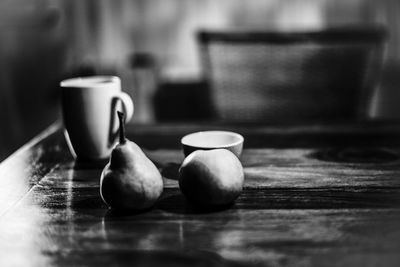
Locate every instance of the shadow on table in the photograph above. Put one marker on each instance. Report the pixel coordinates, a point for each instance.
(173, 201)
(369, 155)
(171, 171)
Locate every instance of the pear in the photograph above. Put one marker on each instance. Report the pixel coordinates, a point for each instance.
(211, 178)
(130, 181)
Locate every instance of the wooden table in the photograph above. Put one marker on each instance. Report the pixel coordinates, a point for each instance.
(320, 195)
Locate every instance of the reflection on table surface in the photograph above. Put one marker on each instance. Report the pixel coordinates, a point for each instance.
(303, 204)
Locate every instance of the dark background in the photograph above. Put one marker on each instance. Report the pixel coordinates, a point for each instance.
(44, 41)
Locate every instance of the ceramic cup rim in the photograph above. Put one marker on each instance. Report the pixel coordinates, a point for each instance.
(97, 81)
(186, 142)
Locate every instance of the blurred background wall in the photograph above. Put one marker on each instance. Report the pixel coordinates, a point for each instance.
(44, 41)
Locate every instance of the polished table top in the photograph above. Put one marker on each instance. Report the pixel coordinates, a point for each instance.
(319, 195)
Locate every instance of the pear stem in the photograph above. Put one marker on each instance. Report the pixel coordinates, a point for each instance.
(122, 138)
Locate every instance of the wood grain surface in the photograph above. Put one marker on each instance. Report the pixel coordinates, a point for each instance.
(326, 205)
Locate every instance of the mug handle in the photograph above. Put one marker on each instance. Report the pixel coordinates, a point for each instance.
(127, 105)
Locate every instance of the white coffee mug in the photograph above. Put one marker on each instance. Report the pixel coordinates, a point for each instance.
(89, 107)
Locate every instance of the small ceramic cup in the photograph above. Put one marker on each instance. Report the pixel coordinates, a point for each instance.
(208, 140)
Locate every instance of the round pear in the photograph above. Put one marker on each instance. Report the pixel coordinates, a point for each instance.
(211, 177)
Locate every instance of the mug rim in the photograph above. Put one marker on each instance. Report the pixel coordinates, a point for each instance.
(90, 81)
